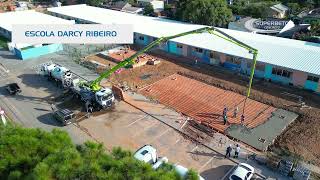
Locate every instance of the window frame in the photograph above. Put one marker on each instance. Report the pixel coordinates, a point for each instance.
(313, 78)
(198, 50)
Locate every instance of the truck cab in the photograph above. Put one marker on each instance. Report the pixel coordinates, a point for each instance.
(47, 68)
(64, 116)
(61, 73)
(104, 98)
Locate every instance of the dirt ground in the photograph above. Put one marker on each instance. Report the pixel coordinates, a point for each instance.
(301, 137)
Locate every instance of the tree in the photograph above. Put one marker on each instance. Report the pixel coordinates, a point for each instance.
(312, 36)
(192, 175)
(206, 12)
(148, 9)
(295, 8)
(36, 154)
(94, 2)
(168, 9)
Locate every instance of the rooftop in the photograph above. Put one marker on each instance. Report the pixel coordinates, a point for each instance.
(280, 7)
(294, 54)
(28, 17)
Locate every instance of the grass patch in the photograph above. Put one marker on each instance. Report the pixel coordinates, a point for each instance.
(3, 42)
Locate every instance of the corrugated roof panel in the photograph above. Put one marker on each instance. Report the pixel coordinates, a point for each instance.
(293, 54)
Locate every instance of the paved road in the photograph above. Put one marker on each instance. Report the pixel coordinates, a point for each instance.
(31, 108)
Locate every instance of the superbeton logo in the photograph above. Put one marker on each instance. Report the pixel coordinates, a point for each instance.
(72, 34)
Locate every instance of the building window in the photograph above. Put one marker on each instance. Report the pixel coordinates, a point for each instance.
(179, 46)
(199, 50)
(281, 72)
(141, 38)
(233, 60)
(214, 55)
(259, 66)
(313, 78)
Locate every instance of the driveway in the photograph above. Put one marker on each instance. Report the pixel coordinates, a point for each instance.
(130, 128)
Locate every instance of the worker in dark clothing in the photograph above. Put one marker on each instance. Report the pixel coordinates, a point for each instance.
(242, 119)
(225, 119)
(225, 110)
(228, 151)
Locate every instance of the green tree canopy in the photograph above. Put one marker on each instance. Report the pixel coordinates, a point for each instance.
(148, 9)
(206, 12)
(312, 36)
(94, 2)
(36, 154)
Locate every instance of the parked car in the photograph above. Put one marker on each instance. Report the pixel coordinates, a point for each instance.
(13, 88)
(243, 171)
(182, 171)
(64, 116)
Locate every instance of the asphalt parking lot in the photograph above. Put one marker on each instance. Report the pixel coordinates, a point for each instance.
(130, 128)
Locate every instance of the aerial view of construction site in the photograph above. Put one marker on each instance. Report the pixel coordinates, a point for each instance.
(219, 103)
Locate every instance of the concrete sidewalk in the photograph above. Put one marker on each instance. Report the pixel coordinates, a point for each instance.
(177, 120)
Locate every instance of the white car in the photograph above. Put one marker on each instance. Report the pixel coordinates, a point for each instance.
(182, 171)
(243, 171)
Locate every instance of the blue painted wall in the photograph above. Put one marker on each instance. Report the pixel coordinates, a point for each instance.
(141, 42)
(146, 40)
(280, 79)
(38, 51)
(311, 85)
(206, 56)
(172, 47)
(231, 66)
(268, 71)
(257, 73)
(268, 75)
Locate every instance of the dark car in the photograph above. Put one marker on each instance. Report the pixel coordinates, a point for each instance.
(13, 88)
(65, 116)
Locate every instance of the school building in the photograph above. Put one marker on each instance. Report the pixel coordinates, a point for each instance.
(27, 51)
(287, 61)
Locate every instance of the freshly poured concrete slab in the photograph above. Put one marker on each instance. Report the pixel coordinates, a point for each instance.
(263, 135)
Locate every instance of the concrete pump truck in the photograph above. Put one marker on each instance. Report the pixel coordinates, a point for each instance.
(98, 97)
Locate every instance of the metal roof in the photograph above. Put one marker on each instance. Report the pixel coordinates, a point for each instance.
(289, 53)
(28, 17)
(279, 7)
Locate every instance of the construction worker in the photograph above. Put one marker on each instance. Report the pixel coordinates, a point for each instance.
(237, 151)
(242, 119)
(225, 110)
(225, 119)
(235, 112)
(52, 107)
(228, 151)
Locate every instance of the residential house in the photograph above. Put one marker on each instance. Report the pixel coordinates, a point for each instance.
(278, 11)
(158, 6)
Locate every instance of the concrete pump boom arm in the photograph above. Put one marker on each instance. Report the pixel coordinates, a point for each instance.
(95, 85)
